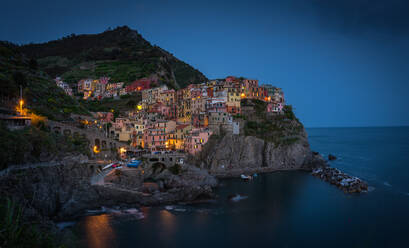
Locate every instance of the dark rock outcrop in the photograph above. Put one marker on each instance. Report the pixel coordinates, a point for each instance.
(233, 155)
(64, 190)
(343, 181)
(331, 157)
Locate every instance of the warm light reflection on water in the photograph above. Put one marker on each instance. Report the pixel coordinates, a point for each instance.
(99, 232)
(168, 221)
(145, 211)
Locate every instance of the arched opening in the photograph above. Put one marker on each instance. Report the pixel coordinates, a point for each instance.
(97, 146)
(57, 130)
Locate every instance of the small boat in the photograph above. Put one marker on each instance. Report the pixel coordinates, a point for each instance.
(169, 207)
(108, 166)
(134, 163)
(246, 177)
(237, 197)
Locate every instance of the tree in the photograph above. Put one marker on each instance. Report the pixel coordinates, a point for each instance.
(33, 64)
(131, 104)
(20, 79)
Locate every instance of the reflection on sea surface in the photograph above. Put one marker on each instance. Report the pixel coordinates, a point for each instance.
(167, 222)
(285, 209)
(99, 232)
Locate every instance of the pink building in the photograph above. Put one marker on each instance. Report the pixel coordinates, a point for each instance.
(139, 85)
(120, 123)
(216, 105)
(200, 120)
(161, 108)
(105, 116)
(196, 140)
(104, 80)
(230, 79)
(196, 92)
(250, 83)
(154, 136)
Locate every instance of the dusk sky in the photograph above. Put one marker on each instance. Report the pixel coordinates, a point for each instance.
(340, 63)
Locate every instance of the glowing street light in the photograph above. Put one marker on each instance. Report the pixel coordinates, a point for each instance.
(96, 149)
(21, 106)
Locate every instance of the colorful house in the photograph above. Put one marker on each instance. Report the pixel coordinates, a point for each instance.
(139, 85)
(167, 97)
(197, 139)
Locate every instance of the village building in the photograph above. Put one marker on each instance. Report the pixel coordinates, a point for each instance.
(176, 139)
(154, 136)
(138, 85)
(63, 85)
(216, 105)
(198, 104)
(167, 97)
(233, 99)
(104, 116)
(125, 133)
(197, 139)
(219, 121)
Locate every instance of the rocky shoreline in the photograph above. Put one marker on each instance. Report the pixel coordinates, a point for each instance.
(64, 190)
(343, 181)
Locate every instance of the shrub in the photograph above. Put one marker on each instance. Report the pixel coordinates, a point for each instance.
(175, 169)
(14, 232)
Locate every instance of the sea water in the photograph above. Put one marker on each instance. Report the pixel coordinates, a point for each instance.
(285, 209)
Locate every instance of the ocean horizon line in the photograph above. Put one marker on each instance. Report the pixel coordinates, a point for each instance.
(397, 126)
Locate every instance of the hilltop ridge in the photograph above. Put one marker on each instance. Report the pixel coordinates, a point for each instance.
(121, 54)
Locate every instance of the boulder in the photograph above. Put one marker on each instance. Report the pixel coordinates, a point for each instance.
(331, 157)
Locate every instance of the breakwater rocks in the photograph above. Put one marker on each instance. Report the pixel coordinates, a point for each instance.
(345, 182)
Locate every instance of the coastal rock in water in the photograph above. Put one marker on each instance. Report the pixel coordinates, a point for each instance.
(343, 181)
(331, 157)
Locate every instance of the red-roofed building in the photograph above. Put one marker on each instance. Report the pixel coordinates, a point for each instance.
(231, 79)
(139, 85)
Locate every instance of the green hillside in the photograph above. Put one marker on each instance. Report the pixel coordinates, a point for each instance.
(121, 54)
(41, 95)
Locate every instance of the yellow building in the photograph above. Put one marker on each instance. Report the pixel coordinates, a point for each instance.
(198, 105)
(139, 127)
(176, 139)
(167, 97)
(187, 109)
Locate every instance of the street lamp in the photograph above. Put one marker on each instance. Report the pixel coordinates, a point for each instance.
(21, 106)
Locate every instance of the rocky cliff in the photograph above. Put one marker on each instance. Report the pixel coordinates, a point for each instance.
(233, 155)
(266, 143)
(64, 190)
